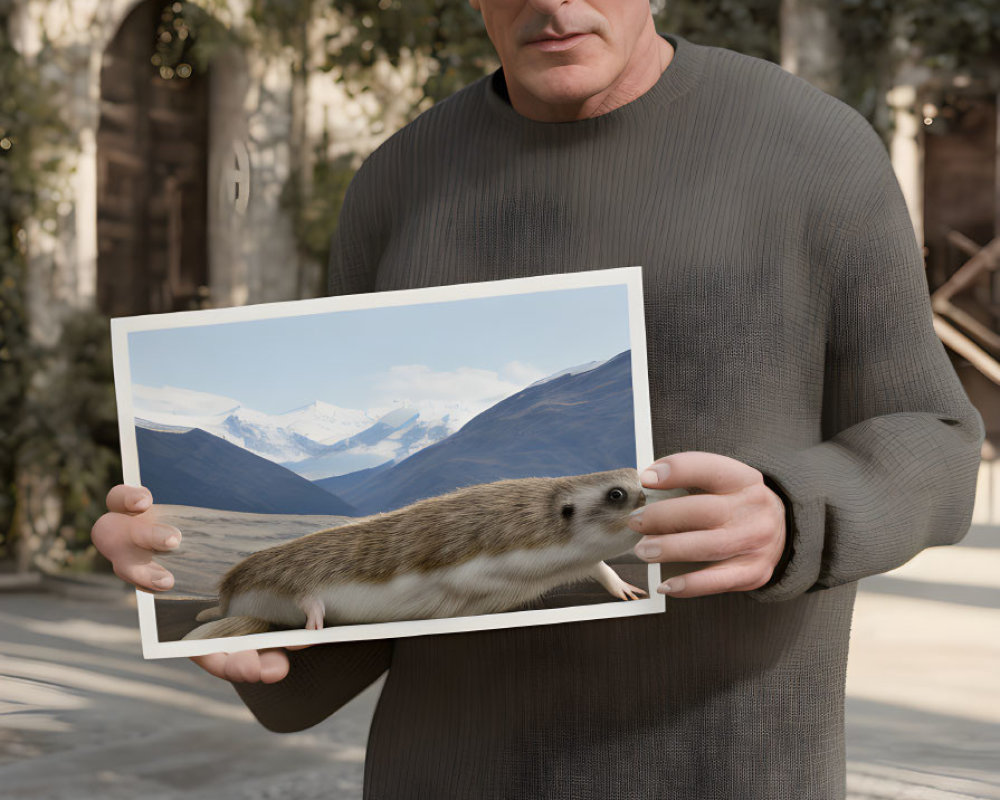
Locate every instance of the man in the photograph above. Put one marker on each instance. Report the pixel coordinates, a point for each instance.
(795, 379)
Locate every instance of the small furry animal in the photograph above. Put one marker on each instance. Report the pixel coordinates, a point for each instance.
(476, 550)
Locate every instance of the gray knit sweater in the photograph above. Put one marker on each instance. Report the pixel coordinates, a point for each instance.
(788, 326)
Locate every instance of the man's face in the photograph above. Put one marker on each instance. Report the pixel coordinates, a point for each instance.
(558, 55)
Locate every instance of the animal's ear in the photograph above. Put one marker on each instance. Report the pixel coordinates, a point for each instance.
(567, 510)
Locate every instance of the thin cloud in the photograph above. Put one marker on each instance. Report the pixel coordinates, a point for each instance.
(459, 394)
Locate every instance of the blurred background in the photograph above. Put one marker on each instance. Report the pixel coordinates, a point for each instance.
(159, 156)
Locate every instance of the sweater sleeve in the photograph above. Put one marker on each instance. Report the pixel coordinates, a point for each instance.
(320, 680)
(896, 469)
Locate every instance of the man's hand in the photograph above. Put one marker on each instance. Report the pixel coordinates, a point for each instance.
(247, 666)
(738, 524)
(129, 537)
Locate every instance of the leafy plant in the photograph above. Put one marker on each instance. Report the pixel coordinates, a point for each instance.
(31, 133)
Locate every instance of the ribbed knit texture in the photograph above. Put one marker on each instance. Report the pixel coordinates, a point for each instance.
(788, 326)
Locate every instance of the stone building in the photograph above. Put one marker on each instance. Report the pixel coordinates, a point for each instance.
(174, 183)
(174, 188)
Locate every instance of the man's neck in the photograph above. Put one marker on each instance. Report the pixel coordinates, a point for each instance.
(646, 65)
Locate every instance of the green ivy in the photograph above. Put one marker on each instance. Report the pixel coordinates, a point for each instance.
(30, 130)
(187, 39)
(57, 407)
(963, 36)
(448, 32)
(315, 212)
(71, 433)
(748, 26)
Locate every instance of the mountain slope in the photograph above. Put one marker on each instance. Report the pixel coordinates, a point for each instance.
(572, 424)
(195, 468)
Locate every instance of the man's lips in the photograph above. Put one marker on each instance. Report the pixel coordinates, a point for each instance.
(556, 43)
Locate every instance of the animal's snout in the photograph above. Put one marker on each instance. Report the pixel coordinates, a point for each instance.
(641, 499)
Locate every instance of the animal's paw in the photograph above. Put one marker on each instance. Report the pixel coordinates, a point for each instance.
(613, 582)
(314, 611)
(626, 591)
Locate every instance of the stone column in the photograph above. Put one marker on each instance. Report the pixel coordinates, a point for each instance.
(810, 46)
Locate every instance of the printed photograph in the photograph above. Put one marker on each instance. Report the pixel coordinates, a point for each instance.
(338, 465)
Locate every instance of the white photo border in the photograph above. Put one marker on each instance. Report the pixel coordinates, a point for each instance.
(630, 277)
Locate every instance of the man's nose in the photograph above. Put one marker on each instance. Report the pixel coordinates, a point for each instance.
(547, 7)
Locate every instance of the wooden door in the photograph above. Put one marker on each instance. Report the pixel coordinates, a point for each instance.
(152, 156)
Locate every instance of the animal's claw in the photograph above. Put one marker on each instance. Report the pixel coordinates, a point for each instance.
(630, 592)
(613, 582)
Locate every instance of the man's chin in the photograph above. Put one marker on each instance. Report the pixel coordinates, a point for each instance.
(566, 85)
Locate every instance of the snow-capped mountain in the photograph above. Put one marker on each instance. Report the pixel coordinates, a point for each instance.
(319, 440)
(291, 436)
(393, 437)
(322, 422)
(315, 441)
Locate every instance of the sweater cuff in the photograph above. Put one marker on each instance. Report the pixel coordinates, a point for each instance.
(798, 568)
(787, 552)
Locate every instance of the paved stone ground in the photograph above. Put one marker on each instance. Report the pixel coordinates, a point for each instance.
(923, 683)
(83, 717)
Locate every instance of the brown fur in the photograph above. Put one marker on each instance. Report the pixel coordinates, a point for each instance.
(440, 531)
(230, 626)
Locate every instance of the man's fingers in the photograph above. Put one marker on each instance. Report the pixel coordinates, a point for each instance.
(733, 575)
(246, 666)
(273, 666)
(115, 534)
(147, 534)
(243, 667)
(213, 663)
(128, 543)
(129, 499)
(689, 513)
(145, 575)
(695, 469)
(708, 545)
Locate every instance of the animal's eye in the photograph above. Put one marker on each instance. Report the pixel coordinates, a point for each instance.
(616, 495)
(567, 511)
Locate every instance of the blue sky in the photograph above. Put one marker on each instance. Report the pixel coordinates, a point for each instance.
(360, 359)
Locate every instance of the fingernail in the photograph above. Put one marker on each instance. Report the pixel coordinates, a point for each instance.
(671, 586)
(163, 583)
(647, 550)
(167, 536)
(654, 474)
(142, 503)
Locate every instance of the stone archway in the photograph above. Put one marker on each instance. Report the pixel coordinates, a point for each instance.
(152, 167)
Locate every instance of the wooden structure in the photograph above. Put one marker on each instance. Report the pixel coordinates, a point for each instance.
(961, 222)
(152, 168)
